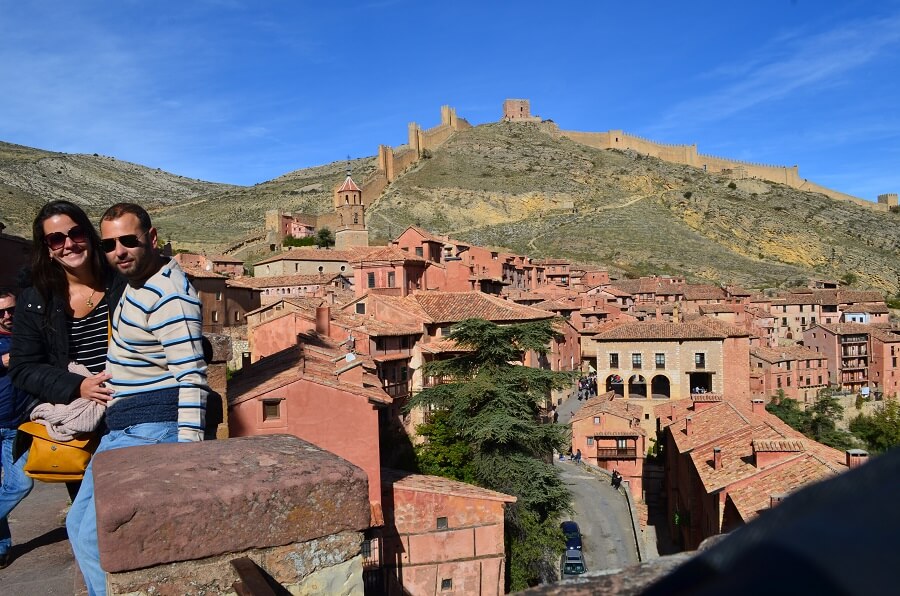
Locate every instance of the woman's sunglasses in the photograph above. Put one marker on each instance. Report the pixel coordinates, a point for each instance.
(128, 241)
(57, 240)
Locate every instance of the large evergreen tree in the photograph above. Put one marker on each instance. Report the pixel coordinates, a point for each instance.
(489, 411)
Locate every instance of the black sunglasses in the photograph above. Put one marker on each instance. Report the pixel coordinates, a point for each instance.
(7, 311)
(57, 240)
(128, 241)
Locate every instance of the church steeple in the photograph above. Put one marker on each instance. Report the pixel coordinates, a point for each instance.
(351, 214)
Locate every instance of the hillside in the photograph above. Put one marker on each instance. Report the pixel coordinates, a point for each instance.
(523, 187)
(518, 186)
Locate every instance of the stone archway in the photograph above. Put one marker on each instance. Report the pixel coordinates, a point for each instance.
(615, 384)
(660, 387)
(637, 387)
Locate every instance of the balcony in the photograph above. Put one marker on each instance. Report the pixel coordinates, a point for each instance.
(616, 453)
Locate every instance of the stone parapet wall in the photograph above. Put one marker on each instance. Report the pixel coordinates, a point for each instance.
(171, 517)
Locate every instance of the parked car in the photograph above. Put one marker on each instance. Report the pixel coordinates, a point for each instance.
(573, 564)
(572, 533)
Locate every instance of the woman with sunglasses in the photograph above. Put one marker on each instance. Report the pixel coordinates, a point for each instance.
(63, 317)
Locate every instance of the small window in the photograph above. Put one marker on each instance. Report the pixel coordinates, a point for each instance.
(419, 251)
(660, 361)
(237, 316)
(391, 279)
(343, 267)
(321, 269)
(370, 279)
(360, 308)
(296, 267)
(215, 316)
(596, 419)
(614, 361)
(271, 409)
(442, 523)
(446, 584)
(590, 441)
(218, 295)
(700, 360)
(635, 361)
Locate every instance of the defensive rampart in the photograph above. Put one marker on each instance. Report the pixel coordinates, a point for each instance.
(688, 155)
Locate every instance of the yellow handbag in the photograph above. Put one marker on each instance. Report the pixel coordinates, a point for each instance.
(50, 460)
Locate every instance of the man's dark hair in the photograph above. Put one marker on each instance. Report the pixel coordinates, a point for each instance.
(120, 209)
(4, 292)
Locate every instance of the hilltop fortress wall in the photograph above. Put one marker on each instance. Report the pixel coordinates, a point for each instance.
(688, 155)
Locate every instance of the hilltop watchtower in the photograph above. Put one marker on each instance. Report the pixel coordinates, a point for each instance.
(518, 110)
(351, 214)
(890, 199)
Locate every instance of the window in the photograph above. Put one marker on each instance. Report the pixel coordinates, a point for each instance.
(218, 295)
(621, 443)
(788, 381)
(237, 316)
(271, 409)
(321, 269)
(788, 364)
(778, 381)
(215, 316)
(635, 361)
(596, 419)
(820, 380)
(370, 279)
(446, 584)
(391, 279)
(784, 321)
(590, 441)
(614, 361)
(419, 251)
(360, 308)
(660, 361)
(442, 523)
(699, 360)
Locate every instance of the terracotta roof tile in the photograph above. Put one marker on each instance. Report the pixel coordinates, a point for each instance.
(452, 307)
(439, 485)
(608, 404)
(755, 497)
(320, 254)
(349, 185)
(319, 279)
(650, 330)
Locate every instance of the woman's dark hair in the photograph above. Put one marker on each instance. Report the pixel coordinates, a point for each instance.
(47, 276)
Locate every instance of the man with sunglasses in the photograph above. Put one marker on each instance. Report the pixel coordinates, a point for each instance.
(155, 359)
(15, 484)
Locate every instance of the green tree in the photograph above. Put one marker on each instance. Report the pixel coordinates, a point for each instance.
(881, 429)
(493, 406)
(444, 453)
(324, 238)
(818, 421)
(291, 241)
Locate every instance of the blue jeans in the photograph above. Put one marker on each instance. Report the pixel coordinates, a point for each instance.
(81, 523)
(15, 484)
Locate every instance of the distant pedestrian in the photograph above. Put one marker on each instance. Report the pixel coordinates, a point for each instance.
(15, 484)
(578, 456)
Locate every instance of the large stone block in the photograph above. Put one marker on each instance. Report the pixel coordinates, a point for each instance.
(179, 502)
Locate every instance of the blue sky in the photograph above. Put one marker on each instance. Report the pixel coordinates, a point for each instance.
(241, 92)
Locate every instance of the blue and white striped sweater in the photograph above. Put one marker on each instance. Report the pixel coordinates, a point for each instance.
(157, 344)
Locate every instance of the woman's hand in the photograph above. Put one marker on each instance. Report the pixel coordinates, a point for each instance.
(94, 388)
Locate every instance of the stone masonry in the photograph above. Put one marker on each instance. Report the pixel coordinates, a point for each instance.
(170, 518)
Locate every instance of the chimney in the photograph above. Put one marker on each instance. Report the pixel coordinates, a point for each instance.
(687, 426)
(658, 313)
(323, 320)
(856, 457)
(776, 498)
(717, 458)
(245, 359)
(771, 451)
(351, 372)
(757, 405)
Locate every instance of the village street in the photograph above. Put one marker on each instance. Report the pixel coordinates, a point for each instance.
(601, 511)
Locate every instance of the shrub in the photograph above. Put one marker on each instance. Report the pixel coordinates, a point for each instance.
(732, 185)
(688, 194)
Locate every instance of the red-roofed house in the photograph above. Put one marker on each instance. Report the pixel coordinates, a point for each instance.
(800, 372)
(651, 360)
(728, 460)
(608, 432)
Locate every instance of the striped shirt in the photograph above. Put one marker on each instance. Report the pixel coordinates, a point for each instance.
(88, 337)
(156, 345)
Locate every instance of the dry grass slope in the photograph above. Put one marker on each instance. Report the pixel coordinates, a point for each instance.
(519, 186)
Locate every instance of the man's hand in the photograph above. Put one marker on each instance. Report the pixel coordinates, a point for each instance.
(94, 388)
(5, 359)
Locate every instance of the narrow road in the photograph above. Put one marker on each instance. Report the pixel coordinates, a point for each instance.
(602, 514)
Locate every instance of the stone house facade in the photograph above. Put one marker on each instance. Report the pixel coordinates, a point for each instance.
(797, 371)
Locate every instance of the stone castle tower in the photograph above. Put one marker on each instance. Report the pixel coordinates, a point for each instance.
(351, 216)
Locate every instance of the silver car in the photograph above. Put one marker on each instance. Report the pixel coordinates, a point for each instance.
(573, 564)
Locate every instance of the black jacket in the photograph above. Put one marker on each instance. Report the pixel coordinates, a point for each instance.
(39, 359)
